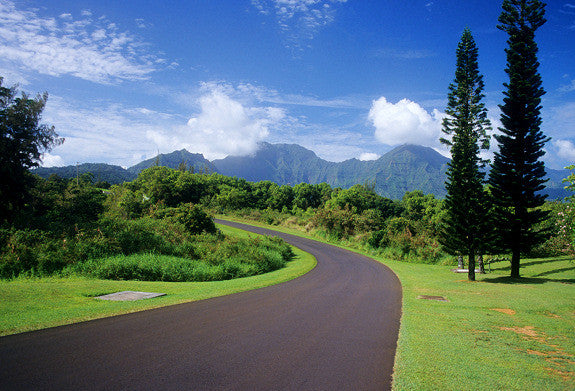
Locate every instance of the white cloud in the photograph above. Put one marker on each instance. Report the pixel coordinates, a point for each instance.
(367, 156)
(224, 126)
(565, 149)
(405, 122)
(300, 20)
(89, 49)
(49, 160)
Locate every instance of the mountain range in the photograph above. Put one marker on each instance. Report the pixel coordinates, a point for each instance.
(405, 168)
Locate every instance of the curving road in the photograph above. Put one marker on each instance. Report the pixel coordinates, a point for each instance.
(334, 328)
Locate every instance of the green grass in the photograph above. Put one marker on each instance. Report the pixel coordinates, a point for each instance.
(35, 303)
(496, 333)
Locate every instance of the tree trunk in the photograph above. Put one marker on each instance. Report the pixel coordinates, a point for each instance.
(481, 265)
(460, 261)
(471, 270)
(515, 262)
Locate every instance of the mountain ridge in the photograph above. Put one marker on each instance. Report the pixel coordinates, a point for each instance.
(405, 168)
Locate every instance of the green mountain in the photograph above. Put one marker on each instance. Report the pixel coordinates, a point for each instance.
(174, 160)
(100, 171)
(405, 168)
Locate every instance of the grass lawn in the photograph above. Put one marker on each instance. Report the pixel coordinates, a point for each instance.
(493, 334)
(36, 303)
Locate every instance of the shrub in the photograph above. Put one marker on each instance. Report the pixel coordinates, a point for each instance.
(195, 219)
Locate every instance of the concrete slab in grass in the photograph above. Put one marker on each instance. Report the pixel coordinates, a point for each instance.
(129, 296)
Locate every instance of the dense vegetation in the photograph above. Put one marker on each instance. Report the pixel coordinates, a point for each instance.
(71, 226)
(407, 230)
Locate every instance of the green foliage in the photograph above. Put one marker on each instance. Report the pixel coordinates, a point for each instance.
(216, 259)
(23, 140)
(195, 219)
(517, 175)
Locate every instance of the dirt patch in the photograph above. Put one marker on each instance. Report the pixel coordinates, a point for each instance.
(565, 375)
(551, 315)
(504, 310)
(536, 353)
(527, 331)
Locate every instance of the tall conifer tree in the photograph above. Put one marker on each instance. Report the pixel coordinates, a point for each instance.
(517, 175)
(467, 126)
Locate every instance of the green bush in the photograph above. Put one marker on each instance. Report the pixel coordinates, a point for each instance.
(195, 219)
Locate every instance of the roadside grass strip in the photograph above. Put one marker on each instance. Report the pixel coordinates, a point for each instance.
(35, 303)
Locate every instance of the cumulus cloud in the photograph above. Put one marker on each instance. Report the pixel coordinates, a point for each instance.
(90, 49)
(49, 160)
(224, 126)
(367, 156)
(565, 149)
(299, 20)
(405, 122)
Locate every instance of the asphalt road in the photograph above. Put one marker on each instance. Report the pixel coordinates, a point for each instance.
(334, 328)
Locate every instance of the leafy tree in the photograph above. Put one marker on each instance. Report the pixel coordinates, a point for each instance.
(23, 140)
(307, 196)
(467, 124)
(517, 175)
(281, 197)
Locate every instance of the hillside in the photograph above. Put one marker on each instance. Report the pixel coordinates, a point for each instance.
(194, 161)
(405, 168)
(101, 171)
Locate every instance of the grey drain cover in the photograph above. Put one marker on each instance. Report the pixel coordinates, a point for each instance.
(129, 296)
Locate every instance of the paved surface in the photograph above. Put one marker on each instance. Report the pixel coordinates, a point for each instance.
(129, 296)
(334, 328)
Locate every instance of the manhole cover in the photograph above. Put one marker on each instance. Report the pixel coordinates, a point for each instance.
(129, 296)
(438, 298)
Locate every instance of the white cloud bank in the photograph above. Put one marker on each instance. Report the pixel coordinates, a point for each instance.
(123, 135)
(405, 122)
(86, 48)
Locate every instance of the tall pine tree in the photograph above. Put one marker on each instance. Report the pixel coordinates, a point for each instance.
(517, 175)
(467, 126)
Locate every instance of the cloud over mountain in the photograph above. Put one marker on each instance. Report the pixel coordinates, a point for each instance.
(404, 122)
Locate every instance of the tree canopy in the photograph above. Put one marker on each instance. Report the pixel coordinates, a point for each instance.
(467, 126)
(23, 140)
(517, 175)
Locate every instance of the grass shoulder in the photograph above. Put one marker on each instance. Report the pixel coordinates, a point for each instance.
(35, 303)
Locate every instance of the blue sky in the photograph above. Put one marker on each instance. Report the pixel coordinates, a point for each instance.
(345, 78)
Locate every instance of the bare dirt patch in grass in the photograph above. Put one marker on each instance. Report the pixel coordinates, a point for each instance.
(507, 311)
(565, 375)
(551, 315)
(527, 331)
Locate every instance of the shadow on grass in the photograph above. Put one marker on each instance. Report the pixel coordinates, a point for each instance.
(565, 269)
(542, 261)
(528, 280)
